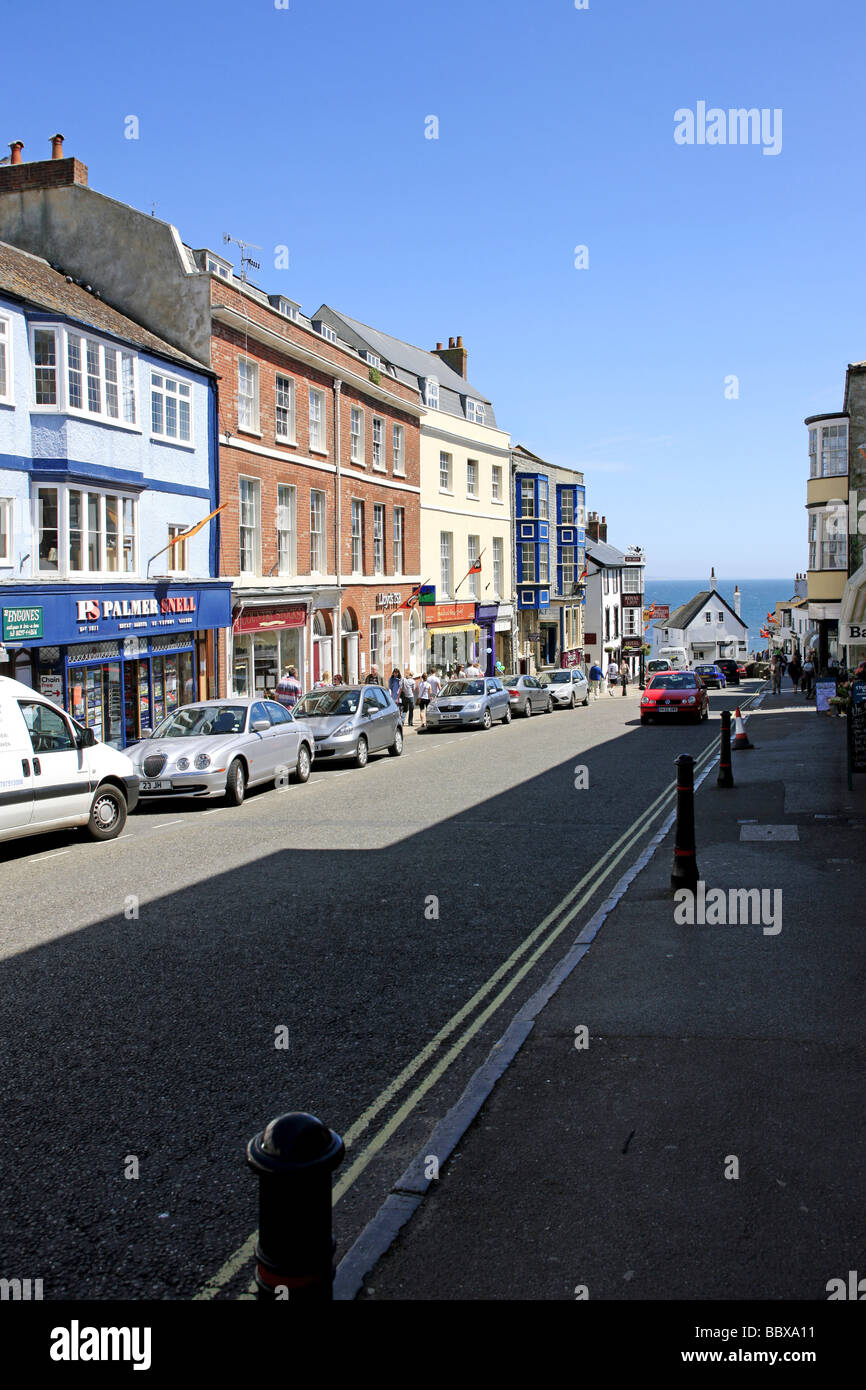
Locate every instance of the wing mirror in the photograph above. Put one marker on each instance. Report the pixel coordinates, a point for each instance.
(260, 725)
(147, 732)
(86, 738)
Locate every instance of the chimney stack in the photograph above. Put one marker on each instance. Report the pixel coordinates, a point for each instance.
(713, 578)
(595, 529)
(16, 146)
(455, 355)
(57, 147)
(57, 172)
(738, 599)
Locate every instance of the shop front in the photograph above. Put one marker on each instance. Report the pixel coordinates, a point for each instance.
(453, 636)
(503, 631)
(852, 618)
(118, 658)
(486, 615)
(265, 640)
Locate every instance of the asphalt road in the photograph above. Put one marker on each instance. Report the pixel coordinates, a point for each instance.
(144, 982)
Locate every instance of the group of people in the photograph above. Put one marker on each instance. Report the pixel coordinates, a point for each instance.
(803, 673)
(615, 675)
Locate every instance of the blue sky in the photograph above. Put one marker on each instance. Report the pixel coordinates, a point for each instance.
(305, 127)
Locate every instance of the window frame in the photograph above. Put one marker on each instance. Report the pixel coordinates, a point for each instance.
(65, 568)
(498, 556)
(7, 395)
(255, 428)
(316, 393)
(356, 513)
(475, 411)
(256, 529)
(62, 405)
(379, 537)
(398, 449)
(380, 466)
(7, 525)
(291, 435)
(398, 540)
(449, 489)
(447, 583)
(472, 492)
(496, 483)
(431, 392)
(178, 382)
(361, 457)
(322, 533)
(291, 531)
(179, 549)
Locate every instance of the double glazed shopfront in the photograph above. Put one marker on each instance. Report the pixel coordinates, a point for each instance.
(118, 659)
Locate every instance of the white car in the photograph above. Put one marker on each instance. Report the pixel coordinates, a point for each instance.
(568, 687)
(54, 774)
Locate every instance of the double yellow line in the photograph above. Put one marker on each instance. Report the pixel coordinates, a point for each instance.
(570, 906)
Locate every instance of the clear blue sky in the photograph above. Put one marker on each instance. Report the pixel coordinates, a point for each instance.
(305, 127)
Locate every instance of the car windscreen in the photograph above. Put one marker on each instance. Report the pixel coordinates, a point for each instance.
(510, 680)
(322, 704)
(463, 688)
(194, 720)
(658, 665)
(561, 678)
(705, 670)
(673, 680)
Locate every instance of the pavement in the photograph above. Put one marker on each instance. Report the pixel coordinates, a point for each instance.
(677, 1114)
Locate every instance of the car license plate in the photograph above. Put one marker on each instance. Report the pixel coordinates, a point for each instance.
(449, 716)
(667, 709)
(155, 786)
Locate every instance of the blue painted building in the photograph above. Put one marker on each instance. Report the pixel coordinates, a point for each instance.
(107, 452)
(549, 561)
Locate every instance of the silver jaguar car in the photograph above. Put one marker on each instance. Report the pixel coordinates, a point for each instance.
(478, 701)
(221, 747)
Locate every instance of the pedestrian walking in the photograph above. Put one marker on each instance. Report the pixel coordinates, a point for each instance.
(288, 691)
(596, 676)
(324, 680)
(338, 679)
(373, 678)
(434, 682)
(795, 670)
(808, 678)
(423, 698)
(776, 672)
(408, 692)
(395, 682)
(624, 677)
(612, 676)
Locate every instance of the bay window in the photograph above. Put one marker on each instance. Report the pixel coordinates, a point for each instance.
(83, 375)
(85, 531)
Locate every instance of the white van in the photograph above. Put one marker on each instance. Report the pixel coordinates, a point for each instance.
(53, 773)
(677, 656)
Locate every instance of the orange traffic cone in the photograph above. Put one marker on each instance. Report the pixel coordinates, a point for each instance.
(741, 738)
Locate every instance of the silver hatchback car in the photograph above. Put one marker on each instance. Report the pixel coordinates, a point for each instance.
(221, 747)
(478, 700)
(568, 687)
(352, 721)
(528, 695)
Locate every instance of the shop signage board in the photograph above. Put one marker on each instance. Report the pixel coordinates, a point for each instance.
(389, 600)
(60, 614)
(265, 619)
(22, 624)
(857, 728)
(661, 611)
(590, 639)
(631, 600)
(450, 613)
(824, 692)
(51, 686)
(631, 644)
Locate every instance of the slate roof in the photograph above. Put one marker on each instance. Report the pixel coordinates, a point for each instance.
(604, 554)
(36, 283)
(412, 365)
(687, 612)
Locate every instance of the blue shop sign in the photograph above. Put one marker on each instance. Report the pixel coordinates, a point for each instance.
(70, 613)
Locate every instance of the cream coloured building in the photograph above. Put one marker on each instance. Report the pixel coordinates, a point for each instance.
(465, 503)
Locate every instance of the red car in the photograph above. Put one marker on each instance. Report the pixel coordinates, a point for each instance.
(675, 695)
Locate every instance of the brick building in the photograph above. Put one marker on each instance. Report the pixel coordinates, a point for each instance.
(318, 441)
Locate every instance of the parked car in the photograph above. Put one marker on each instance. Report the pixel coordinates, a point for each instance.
(711, 674)
(527, 695)
(220, 748)
(674, 695)
(658, 664)
(731, 670)
(54, 773)
(352, 721)
(474, 701)
(568, 687)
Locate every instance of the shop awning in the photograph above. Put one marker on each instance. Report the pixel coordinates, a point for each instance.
(454, 627)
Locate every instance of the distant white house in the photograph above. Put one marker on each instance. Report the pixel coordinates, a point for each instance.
(706, 626)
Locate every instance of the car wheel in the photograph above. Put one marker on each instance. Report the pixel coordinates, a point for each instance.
(506, 718)
(643, 719)
(236, 783)
(571, 701)
(302, 772)
(397, 746)
(527, 708)
(586, 699)
(549, 706)
(706, 713)
(486, 719)
(107, 813)
(362, 753)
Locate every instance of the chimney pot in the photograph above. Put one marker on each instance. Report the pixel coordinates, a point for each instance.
(438, 347)
(16, 146)
(459, 342)
(451, 343)
(57, 146)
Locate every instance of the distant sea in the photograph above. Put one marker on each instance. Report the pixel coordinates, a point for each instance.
(759, 597)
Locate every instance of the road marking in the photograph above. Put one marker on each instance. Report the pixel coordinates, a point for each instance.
(168, 823)
(623, 844)
(55, 854)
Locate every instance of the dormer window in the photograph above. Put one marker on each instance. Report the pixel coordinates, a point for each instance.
(474, 411)
(218, 267)
(371, 358)
(287, 307)
(431, 393)
(325, 330)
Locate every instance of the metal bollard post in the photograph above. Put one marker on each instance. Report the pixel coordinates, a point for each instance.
(726, 776)
(294, 1158)
(684, 873)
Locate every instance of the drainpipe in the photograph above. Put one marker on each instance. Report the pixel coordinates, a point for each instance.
(338, 530)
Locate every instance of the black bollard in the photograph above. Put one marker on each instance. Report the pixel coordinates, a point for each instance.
(684, 873)
(294, 1158)
(726, 776)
